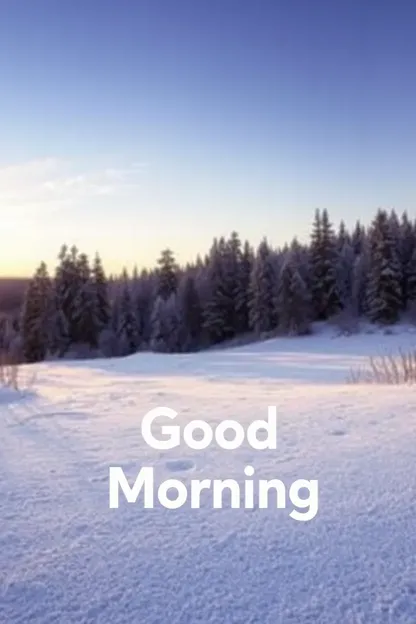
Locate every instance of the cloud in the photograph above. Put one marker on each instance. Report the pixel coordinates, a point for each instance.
(50, 184)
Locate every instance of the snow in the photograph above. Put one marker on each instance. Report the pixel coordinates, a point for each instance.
(66, 557)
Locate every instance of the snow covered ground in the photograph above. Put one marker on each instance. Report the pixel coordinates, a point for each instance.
(66, 557)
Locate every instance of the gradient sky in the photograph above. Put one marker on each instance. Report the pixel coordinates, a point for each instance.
(128, 126)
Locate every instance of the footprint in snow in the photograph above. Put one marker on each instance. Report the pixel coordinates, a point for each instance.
(338, 432)
(56, 415)
(180, 465)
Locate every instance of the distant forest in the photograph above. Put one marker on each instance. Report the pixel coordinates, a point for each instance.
(12, 294)
(233, 292)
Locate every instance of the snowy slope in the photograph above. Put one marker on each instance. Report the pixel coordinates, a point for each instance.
(66, 557)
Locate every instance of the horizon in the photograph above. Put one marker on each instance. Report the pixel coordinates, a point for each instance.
(203, 252)
(141, 126)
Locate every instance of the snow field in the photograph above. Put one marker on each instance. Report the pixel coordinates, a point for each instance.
(66, 557)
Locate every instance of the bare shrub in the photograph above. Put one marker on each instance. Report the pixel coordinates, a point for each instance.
(9, 370)
(397, 369)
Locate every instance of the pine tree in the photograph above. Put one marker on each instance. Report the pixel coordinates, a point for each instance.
(190, 314)
(86, 323)
(127, 327)
(323, 266)
(100, 291)
(165, 325)
(394, 226)
(406, 253)
(301, 257)
(243, 296)
(158, 333)
(293, 299)
(345, 274)
(109, 342)
(232, 262)
(143, 290)
(218, 306)
(167, 275)
(384, 294)
(66, 286)
(343, 237)
(358, 238)
(359, 282)
(411, 281)
(263, 285)
(36, 316)
(172, 324)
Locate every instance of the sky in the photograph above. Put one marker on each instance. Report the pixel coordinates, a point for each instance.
(130, 126)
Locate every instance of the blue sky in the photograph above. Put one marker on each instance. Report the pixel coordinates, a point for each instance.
(128, 126)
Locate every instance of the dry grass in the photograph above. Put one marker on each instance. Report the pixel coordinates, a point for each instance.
(397, 369)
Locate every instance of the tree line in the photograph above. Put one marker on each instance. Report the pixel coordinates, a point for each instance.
(231, 292)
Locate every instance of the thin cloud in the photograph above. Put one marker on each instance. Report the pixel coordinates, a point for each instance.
(51, 183)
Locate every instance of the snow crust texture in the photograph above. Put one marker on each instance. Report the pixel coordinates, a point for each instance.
(65, 557)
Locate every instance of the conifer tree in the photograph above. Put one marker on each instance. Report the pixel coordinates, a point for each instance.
(345, 274)
(359, 282)
(263, 286)
(172, 325)
(243, 298)
(233, 280)
(343, 236)
(127, 327)
(36, 316)
(323, 266)
(217, 319)
(293, 299)
(86, 326)
(101, 295)
(406, 253)
(358, 238)
(158, 326)
(66, 290)
(109, 343)
(190, 314)
(167, 274)
(411, 282)
(142, 294)
(165, 325)
(384, 293)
